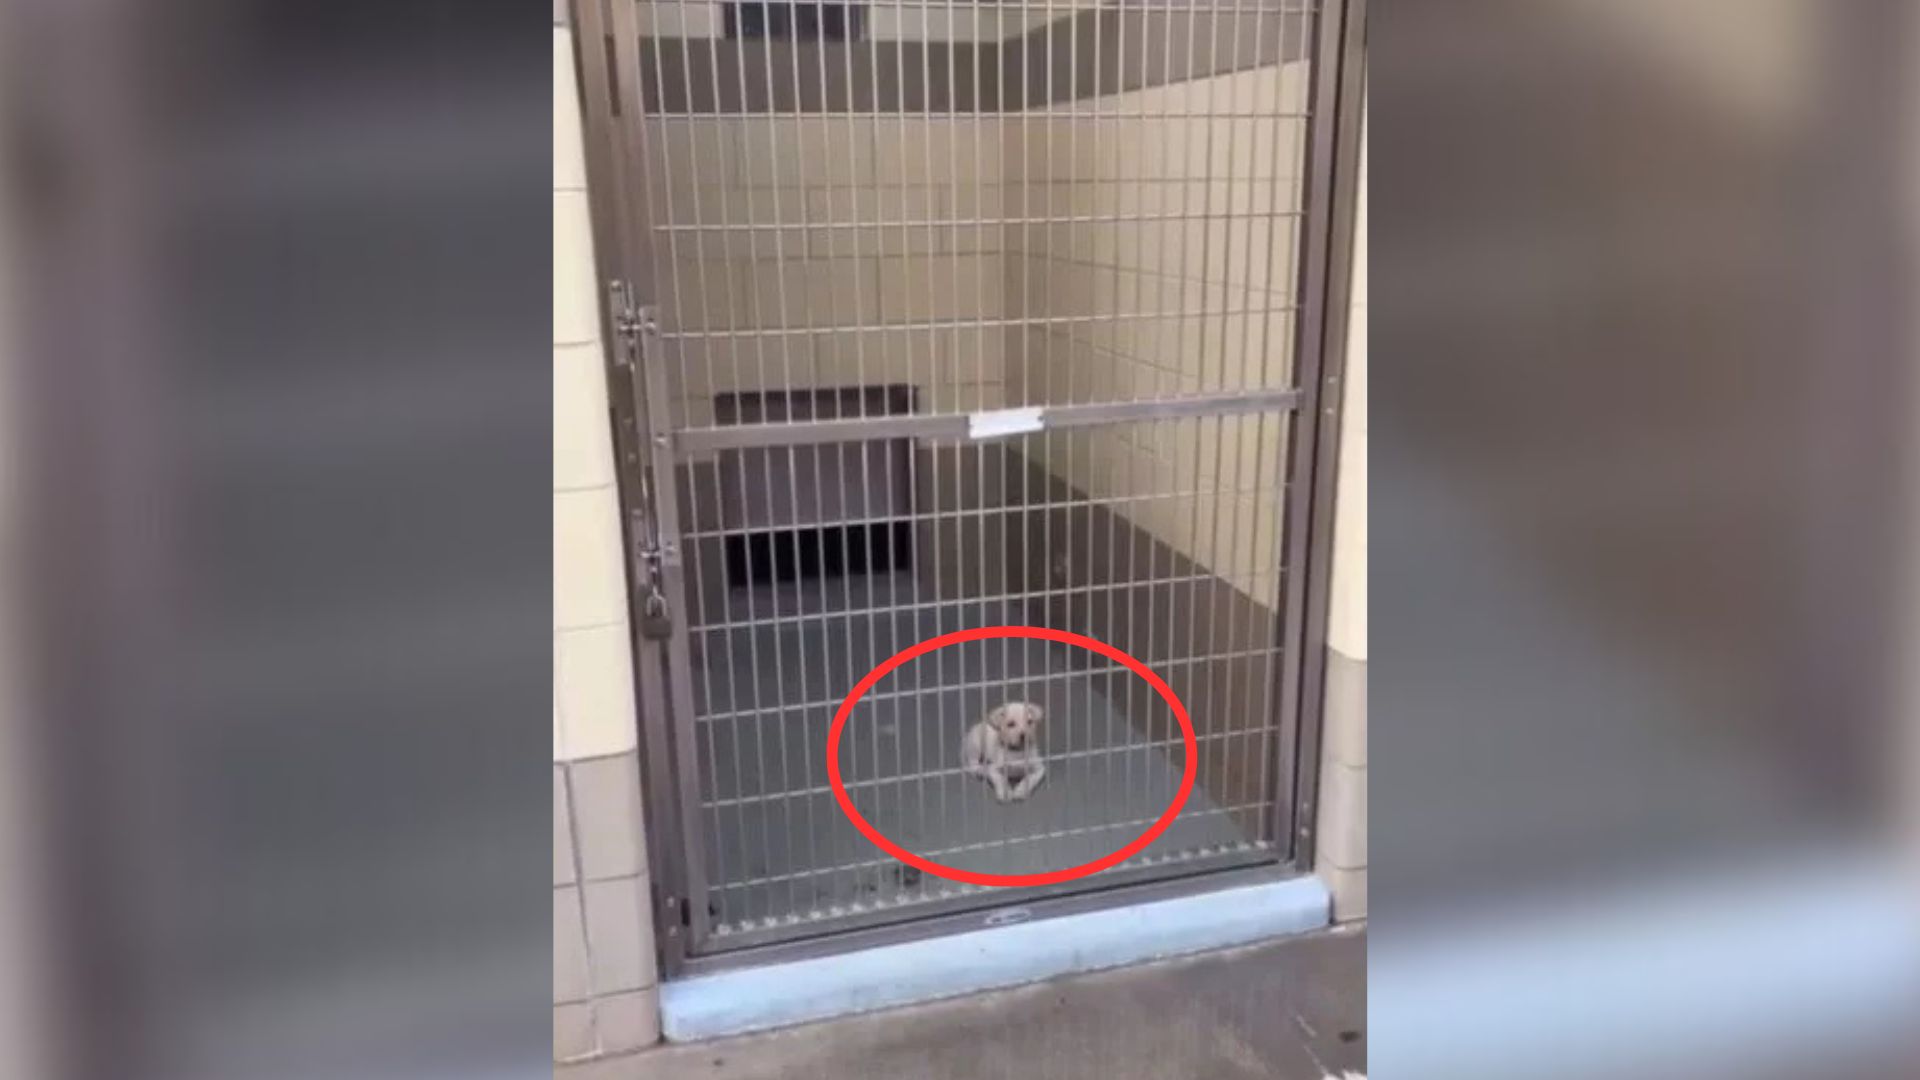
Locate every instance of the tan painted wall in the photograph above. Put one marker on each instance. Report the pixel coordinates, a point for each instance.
(1143, 166)
(822, 176)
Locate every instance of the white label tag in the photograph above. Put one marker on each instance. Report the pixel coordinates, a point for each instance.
(998, 423)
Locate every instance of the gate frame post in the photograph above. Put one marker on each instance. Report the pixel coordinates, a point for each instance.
(1313, 450)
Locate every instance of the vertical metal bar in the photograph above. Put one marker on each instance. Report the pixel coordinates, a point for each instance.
(771, 796)
(860, 358)
(742, 893)
(655, 357)
(866, 477)
(803, 390)
(1252, 718)
(927, 198)
(709, 755)
(1182, 279)
(807, 238)
(1153, 336)
(890, 608)
(1266, 702)
(1045, 653)
(786, 366)
(1205, 593)
(1020, 341)
(943, 726)
(988, 608)
(1336, 81)
(1119, 695)
(1003, 456)
(730, 141)
(1219, 584)
(1275, 781)
(1087, 113)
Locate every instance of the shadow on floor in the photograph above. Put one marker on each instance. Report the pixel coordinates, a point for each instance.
(1291, 1010)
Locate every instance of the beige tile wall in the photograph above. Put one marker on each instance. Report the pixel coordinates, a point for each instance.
(1145, 165)
(589, 580)
(1342, 853)
(856, 228)
(1347, 627)
(605, 999)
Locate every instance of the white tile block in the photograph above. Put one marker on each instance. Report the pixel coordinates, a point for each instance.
(1347, 615)
(1296, 84)
(571, 981)
(688, 20)
(1354, 407)
(701, 293)
(569, 155)
(1349, 889)
(688, 165)
(628, 1021)
(1347, 620)
(573, 1031)
(790, 152)
(576, 293)
(1360, 228)
(1345, 710)
(704, 367)
(893, 221)
(965, 286)
(756, 206)
(582, 430)
(812, 292)
(1343, 815)
(595, 676)
(589, 581)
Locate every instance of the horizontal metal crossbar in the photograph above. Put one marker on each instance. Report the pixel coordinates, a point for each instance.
(987, 323)
(1053, 757)
(909, 609)
(958, 426)
(1065, 673)
(968, 223)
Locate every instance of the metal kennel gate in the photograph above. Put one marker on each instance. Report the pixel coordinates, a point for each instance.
(929, 315)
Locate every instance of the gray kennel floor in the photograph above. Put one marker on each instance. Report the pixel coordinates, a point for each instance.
(781, 849)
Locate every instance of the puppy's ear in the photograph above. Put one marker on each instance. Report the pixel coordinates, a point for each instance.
(997, 717)
(1035, 713)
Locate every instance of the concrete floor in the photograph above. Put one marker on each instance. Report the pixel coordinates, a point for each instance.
(1291, 1010)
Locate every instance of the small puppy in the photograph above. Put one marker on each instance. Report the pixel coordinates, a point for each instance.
(1004, 750)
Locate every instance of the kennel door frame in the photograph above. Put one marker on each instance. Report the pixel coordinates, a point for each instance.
(607, 48)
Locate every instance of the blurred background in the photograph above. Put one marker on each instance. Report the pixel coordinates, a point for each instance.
(1642, 564)
(275, 516)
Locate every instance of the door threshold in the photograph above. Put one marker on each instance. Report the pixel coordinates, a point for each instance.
(745, 1000)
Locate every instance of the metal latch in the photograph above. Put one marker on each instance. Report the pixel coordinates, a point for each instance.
(655, 622)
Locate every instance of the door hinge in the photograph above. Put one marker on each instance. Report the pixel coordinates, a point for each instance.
(632, 322)
(675, 915)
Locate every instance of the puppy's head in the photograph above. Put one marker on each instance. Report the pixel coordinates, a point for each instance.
(1017, 722)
